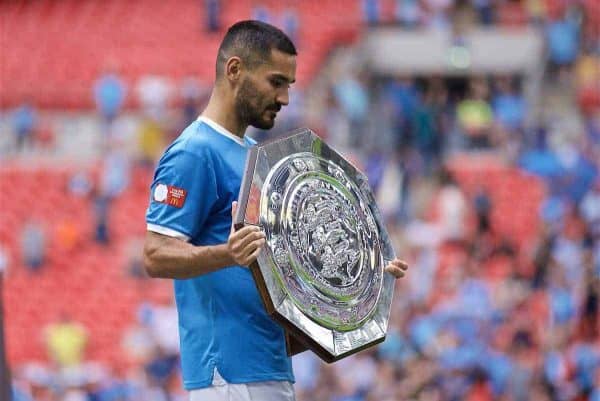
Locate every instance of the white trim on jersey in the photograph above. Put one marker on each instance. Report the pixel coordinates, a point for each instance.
(221, 130)
(169, 232)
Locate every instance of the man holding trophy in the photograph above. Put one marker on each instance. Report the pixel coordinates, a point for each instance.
(232, 348)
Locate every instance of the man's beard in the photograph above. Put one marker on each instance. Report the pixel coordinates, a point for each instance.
(248, 112)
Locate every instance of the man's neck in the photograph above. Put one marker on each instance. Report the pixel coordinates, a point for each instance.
(221, 110)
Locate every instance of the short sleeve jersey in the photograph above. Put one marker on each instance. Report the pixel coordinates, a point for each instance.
(222, 321)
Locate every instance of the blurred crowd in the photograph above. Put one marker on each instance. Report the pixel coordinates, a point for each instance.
(150, 372)
(467, 331)
(457, 333)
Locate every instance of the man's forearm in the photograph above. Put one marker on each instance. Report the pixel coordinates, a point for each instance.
(172, 258)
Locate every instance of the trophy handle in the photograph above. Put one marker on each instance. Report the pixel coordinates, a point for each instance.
(292, 345)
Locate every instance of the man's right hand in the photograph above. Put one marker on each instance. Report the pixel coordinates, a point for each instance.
(245, 244)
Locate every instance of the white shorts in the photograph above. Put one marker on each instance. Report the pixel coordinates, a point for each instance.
(257, 391)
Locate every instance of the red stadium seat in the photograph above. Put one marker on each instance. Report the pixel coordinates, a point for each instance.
(62, 65)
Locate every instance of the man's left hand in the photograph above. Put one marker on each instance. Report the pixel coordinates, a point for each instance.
(397, 268)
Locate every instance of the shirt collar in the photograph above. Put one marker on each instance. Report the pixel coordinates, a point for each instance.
(222, 130)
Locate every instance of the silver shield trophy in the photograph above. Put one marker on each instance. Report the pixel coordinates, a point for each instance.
(321, 274)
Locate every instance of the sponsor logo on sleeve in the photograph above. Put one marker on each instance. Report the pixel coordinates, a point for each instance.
(169, 195)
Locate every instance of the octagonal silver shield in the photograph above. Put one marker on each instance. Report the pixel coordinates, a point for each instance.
(321, 274)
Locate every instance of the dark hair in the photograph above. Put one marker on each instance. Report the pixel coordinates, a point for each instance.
(252, 41)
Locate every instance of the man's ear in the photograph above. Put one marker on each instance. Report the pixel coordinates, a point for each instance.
(233, 68)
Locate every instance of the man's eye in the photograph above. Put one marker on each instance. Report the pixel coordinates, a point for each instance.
(277, 83)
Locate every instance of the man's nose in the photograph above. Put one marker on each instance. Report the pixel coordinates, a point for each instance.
(283, 98)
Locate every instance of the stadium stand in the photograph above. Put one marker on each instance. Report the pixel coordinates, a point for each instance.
(62, 64)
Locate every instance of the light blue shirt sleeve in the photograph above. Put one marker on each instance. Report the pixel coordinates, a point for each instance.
(190, 174)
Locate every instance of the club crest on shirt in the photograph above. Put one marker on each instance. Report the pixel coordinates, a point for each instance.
(169, 195)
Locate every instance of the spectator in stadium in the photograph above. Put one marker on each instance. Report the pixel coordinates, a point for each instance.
(109, 96)
(482, 205)
(291, 24)
(371, 10)
(452, 208)
(563, 36)
(402, 97)
(68, 235)
(154, 94)
(137, 343)
(33, 245)
(113, 180)
(228, 342)
(485, 10)
(150, 138)
(66, 341)
(24, 123)
(212, 15)
(80, 184)
(352, 95)
(192, 94)
(508, 104)
(475, 116)
(590, 208)
(262, 14)
(336, 126)
(161, 320)
(4, 260)
(408, 13)
(101, 206)
(389, 193)
(438, 11)
(427, 121)
(587, 79)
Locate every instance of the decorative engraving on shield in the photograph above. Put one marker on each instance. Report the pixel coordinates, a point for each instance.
(275, 200)
(331, 240)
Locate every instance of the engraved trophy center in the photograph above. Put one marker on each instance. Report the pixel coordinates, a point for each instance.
(329, 236)
(325, 253)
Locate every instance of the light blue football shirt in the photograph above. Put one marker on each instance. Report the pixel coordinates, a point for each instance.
(222, 321)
